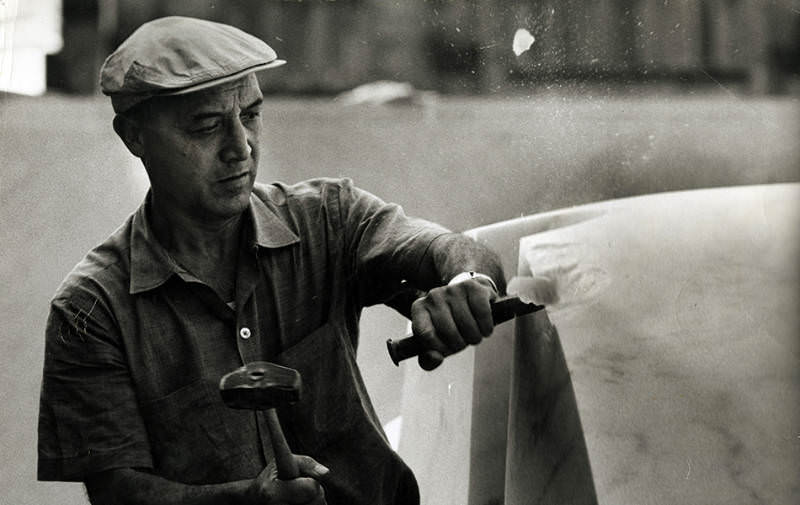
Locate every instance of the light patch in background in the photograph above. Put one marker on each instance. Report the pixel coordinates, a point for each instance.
(23, 71)
(523, 40)
(393, 430)
(29, 31)
(377, 93)
(138, 182)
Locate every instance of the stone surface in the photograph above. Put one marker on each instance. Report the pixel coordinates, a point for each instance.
(680, 320)
(546, 459)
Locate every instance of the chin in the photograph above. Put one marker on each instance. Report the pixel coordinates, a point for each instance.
(242, 202)
(226, 208)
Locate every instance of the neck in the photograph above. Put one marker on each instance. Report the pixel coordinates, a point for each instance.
(186, 236)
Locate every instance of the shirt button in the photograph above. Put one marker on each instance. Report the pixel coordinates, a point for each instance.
(244, 332)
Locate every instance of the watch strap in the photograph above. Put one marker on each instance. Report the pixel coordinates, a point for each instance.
(465, 276)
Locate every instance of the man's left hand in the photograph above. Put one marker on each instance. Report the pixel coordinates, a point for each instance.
(451, 317)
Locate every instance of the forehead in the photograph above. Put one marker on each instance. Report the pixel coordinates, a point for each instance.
(242, 92)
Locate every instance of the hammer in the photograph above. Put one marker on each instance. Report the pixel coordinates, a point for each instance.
(260, 385)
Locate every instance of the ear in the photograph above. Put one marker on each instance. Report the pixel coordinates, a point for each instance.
(131, 133)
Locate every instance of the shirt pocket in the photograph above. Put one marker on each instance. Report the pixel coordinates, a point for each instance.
(187, 433)
(333, 405)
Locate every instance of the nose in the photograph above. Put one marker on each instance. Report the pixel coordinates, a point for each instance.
(237, 144)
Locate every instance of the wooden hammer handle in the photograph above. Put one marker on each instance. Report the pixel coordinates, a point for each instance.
(284, 459)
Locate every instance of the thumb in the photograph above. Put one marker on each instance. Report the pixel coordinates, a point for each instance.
(309, 467)
(430, 359)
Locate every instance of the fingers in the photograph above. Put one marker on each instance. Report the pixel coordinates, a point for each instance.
(465, 320)
(309, 467)
(449, 318)
(303, 490)
(432, 322)
(307, 489)
(480, 306)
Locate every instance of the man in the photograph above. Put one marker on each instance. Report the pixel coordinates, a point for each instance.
(213, 271)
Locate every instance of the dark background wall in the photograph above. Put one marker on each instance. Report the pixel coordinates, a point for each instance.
(464, 46)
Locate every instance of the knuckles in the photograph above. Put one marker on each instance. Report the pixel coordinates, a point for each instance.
(437, 324)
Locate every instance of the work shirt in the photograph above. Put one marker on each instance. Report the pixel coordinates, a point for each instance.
(136, 346)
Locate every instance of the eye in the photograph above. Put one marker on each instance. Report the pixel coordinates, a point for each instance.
(205, 128)
(251, 115)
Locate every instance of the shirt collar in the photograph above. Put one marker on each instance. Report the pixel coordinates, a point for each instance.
(151, 265)
(268, 229)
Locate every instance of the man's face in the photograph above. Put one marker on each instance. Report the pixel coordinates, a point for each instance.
(201, 149)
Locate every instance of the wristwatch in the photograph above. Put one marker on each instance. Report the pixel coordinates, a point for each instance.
(465, 276)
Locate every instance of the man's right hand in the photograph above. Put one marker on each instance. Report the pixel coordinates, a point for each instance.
(267, 488)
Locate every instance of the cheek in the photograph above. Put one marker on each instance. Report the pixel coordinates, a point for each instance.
(254, 132)
(196, 155)
(170, 152)
(178, 163)
(188, 148)
(255, 142)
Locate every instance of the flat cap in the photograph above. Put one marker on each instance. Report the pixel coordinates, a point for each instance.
(177, 55)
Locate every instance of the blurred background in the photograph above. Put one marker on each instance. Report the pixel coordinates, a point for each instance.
(465, 112)
(459, 46)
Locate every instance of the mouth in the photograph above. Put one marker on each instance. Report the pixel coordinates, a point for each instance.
(235, 178)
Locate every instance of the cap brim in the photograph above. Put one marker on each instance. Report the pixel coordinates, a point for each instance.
(222, 80)
(122, 103)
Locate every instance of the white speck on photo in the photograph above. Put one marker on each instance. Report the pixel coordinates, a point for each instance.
(523, 40)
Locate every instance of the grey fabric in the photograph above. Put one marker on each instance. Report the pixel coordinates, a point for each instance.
(136, 345)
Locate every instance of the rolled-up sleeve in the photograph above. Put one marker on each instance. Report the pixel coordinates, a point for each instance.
(89, 419)
(385, 246)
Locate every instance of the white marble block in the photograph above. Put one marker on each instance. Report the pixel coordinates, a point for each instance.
(680, 321)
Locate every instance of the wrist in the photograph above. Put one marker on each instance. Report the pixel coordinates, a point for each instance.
(465, 276)
(246, 492)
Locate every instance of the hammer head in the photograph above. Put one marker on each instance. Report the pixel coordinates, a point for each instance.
(260, 385)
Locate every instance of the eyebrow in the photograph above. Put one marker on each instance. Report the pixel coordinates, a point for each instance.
(256, 103)
(212, 114)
